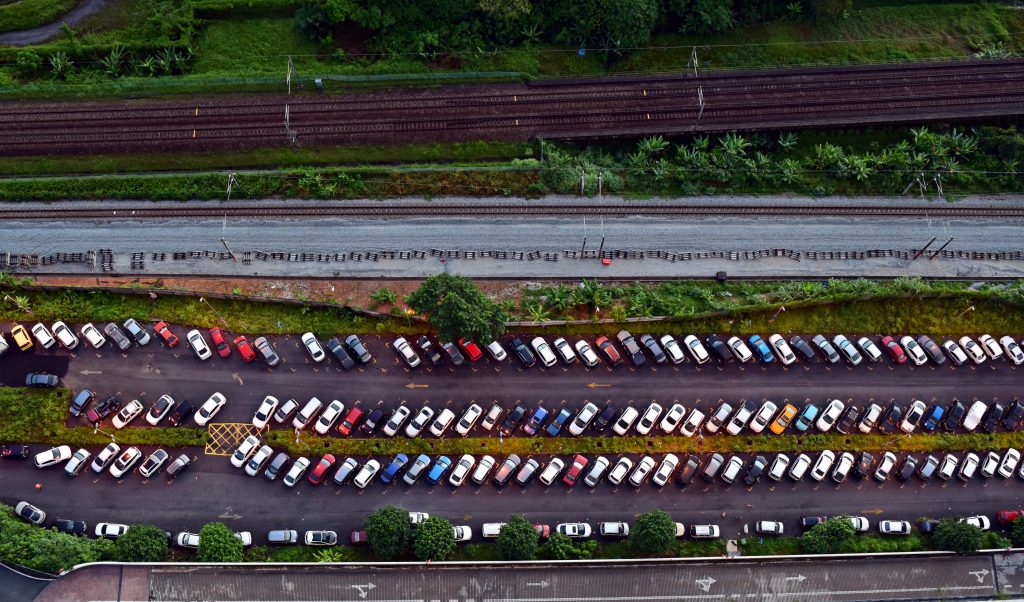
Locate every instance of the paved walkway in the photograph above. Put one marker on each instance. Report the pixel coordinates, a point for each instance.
(44, 32)
(15, 585)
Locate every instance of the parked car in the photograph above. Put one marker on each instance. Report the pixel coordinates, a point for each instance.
(93, 336)
(43, 336)
(137, 331)
(1013, 352)
(555, 426)
(266, 349)
(954, 352)
(632, 348)
(973, 350)
(608, 349)
(826, 348)
(564, 350)
(124, 463)
(672, 349)
(739, 350)
(783, 419)
(870, 350)
(103, 409)
(406, 353)
(313, 347)
(523, 353)
(198, 344)
(586, 354)
(66, 337)
(153, 463)
(847, 349)
(210, 408)
(329, 416)
(915, 412)
(544, 352)
(782, 349)
(914, 350)
(41, 379)
(653, 348)
(497, 352)
(358, 349)
(341, 354)
(472, 349)
(764, 353)
(894, 350)
(806, 418)
(351, 419)
(77, 462)
(796, 342)
(319, 473)
(931, 349)
(696, 349)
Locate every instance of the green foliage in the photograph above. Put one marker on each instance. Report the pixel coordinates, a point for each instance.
(1017, 532)
(828, 537)
(992, 540)
(653, 532)
(46, 550)
(389, 530)
(517, 539)
(332, 554)
(142, 543)
(562, 547)
(629, 23)
(957, 536)
(708, 16)
(217, 543)
(28, 14)
(457, 308)
(384, 295)
(829, 11)
(433, 539)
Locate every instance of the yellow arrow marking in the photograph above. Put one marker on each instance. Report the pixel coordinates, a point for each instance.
(597, 385)
(416, 386)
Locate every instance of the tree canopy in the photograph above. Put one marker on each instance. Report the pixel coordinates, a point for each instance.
(217, 543)
(389, 530)
(653, 532)
(827, 537)
(433, 539)
(517, 539)
(957, 536)
(46, 550)
(562, 547)
(142, 543)
(457, 308)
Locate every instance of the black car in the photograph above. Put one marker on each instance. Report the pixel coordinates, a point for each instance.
(604, 419)
(806, 522)
(954, 416)
(690, 469)
(863, 466)
(71, 527)
(103, 409)
(754, 474)
(14, 452)
(927, 525)
(81, 401)
(335, 347)
(523, 353)
(721, 349)
(907, 469)
(847, 419)
(992, 417)
(801, 345)
(1013, 415)
(635, 354)
(430, 350)
(372, 421)
(932, 349)
(890, 419)
(454, 354)
(358, 349)
(40, 379)
(655, 349)
(512, 420)
(180, 413)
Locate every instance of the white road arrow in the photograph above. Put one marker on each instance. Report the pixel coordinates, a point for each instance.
(798, 578)
(980, 575)
(541, 584)
(363, 589)
(90, 372)
(705, 583)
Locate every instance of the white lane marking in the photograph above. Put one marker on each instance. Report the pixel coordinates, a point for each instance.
(824, 593)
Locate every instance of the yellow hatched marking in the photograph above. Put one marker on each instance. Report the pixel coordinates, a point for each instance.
(224, 437)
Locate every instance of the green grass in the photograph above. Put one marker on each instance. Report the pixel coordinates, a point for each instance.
(252, 47)
(27, 14)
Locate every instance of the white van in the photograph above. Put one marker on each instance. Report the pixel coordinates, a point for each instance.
(491, 530)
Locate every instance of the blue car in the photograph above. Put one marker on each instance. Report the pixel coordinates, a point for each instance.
(533, 425)
(761, 349)
(438, 469)
(391, 471)
(806, 418)
(931, 422)
(556, 425)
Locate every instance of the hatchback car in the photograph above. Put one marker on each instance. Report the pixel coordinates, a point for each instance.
(81, 401)
(778, 426)
(721, 350)
(65, 336)
(441, 465)
(496, 351)
(319, 473)
(696, 349)
(885, 466)
(43, 336)
(974, 415)
(349, 422)
(579, 463)
(894, 350)
(798, 468)
(954, 416)
(153, 463)
(91, 334)
(21, 337)
(806, 418)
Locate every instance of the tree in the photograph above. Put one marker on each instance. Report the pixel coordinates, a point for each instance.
(1017, 531)
(562, 547)
(629, 23)
(653, 532)
(142, 543)
(827, 537)
(217, 543)
(389, 530)
(433, 539)
(457, 308)
(708, 16)
(955, 535)
(46, 550)
(517, 539)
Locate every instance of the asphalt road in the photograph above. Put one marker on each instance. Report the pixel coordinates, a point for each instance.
(214, 490)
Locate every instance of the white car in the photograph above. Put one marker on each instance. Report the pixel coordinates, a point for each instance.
(597, 468)
(955, 352)
(366, 474)
(672, 349)
(43, 336)
(187, 540)
(419, 422)
(492, 417)
(153, 463)
(913, 416)
(497, 351)
(307, 413)
(210, 408)
(741, 418)
(665, 469)
(53, 456)
(989, 465)
(870, 349)
(483, 468)
(948, 467)
(847, 349)
(894, 527)
(583, 419)
(990, 347)
(105, 457)
(762, 417)
(405, 350)
(885, 466)
(244, 451)
(1013, 352)
(649, 418)
(974, 415)
(842, 467)
(552, 471)
(77, 462)
(740, 349)
(160, 409)
(198, 344)
(731, 470)
(257, 460)
(264, 412)
(64, 335)
(544, 353)
(914, 351)
(316, 352)
(441, 423)
(93, 336)
(672, 418)
(799, 467)
(395, 422)
(778, 468)
(1009, 462)
(30, 513)
(110, 530)
(329, 417)
(461, 470)
(564, 350)
(620, 470)
(124, 463)
(586, 353)
(972, 349)
(128, 413)
(296, 472)
(468, 420)
(829, 416)
(692, 423)
(860, 523)
(574, 530)
(625, 421)
(782, 349)
(823, 465)
(968, 467)
(768, 527)
(697, 350)
(981, 522)
(869, 418)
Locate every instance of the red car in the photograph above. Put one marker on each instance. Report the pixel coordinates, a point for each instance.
(543, 531)
(245, 349)
(894, 349)
(350, 421)
(219, 343)
(165, 333)
(578, 464)
(609, 350)
(1005, 517)
(358, 538)
(317, 476)
(471, 349)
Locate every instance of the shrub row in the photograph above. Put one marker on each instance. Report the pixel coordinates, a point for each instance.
(27, 14)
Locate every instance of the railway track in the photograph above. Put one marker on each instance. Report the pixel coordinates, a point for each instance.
(572, 109)
(363, 210)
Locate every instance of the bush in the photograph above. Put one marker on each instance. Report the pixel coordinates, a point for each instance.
(957, 536)
(142, 543)
(433, 539)
(828, 537)
(562, 547)
(46, 550)
(653, 532)
(389, 530)
(217, 543)
(517, 539)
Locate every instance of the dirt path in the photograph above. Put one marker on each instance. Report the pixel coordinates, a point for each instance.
(45, 32)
